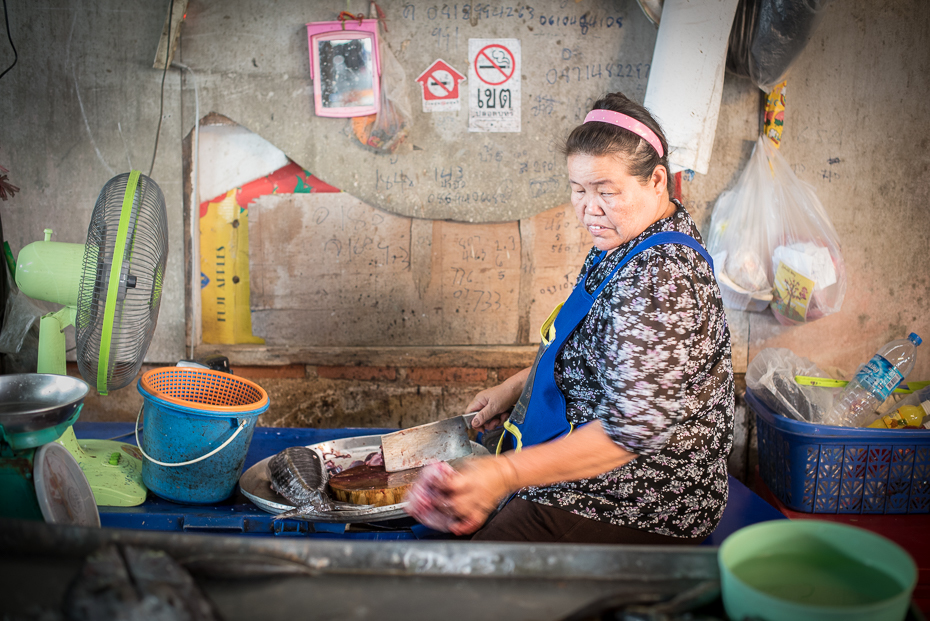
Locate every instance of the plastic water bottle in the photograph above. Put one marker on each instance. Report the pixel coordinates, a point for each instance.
(856, 405)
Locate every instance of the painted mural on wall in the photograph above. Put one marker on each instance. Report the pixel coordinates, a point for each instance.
(224, 252)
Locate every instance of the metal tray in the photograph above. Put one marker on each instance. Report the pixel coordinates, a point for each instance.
(255, 483)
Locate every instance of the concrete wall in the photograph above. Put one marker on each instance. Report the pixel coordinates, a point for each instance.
(571, 54)
(82, 104)
(857, 128)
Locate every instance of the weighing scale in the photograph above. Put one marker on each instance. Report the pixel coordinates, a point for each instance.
(38, 478)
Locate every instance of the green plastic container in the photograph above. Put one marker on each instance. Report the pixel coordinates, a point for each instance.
(809, 570)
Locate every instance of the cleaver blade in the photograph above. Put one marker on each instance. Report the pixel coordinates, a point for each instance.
(426, 444)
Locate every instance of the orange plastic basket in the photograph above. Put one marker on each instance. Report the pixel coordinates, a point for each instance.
(204, 389)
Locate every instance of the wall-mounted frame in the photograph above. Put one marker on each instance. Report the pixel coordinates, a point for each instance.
(345, 67)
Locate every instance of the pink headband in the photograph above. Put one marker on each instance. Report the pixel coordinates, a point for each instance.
(626, 122)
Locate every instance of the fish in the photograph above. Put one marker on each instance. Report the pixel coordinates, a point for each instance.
(298, 474)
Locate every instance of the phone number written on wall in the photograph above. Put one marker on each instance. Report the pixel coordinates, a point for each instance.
(474, 12)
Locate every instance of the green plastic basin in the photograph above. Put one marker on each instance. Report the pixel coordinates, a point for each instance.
(809, 570)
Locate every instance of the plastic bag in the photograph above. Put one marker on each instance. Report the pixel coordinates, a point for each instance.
(387, 130)
(20, 314)
(768, 35)
(770, 375)
(774, 245)
(918, 398)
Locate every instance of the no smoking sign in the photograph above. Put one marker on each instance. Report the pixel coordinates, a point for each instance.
(440, 84)
(494, 64)
(494, 91)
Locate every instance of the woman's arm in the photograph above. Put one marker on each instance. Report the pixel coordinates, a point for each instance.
(481, 484)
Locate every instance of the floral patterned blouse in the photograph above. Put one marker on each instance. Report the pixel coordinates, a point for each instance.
(651, 360)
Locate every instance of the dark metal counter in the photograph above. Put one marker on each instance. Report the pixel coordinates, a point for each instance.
(253, 578)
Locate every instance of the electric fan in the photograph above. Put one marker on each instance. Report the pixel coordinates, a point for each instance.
(111, 290)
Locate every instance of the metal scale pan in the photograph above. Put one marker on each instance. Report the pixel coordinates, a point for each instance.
(40, 479)
(34, 406)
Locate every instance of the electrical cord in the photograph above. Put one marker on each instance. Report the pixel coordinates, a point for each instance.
(161, 105)
(6, 18)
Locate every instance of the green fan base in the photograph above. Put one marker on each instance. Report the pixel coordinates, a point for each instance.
(118, 485)
(114, 485)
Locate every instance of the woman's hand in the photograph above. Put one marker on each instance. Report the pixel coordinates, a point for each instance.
(476, 490)
(491, 406)
(472, 493)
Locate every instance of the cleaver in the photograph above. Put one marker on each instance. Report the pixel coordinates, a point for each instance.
(426, 444)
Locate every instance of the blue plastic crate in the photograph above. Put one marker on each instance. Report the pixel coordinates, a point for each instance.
(825, 469)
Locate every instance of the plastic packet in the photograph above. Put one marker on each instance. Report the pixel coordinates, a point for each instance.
(774, 245)
(918, 397)
(744, 229)
(387, 130)
(770, 376)
(19, 316)
(768, 35)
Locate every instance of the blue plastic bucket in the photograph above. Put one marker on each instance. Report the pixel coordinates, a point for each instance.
(198, 424)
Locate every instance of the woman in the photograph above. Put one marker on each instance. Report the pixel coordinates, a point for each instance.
(625, 420)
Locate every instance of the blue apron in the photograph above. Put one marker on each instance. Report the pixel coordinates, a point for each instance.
(540, 413)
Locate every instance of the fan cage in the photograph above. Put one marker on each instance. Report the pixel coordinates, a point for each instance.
(144, 255)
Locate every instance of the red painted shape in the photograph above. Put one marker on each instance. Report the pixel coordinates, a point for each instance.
(496, 69)
(441, 90)
(282, 181)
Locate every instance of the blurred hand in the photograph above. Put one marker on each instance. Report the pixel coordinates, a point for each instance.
(468, 496)
(475, 491)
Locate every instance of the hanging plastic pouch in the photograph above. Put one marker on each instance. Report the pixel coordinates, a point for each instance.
(774, 245)
(769, 35)
(387, 130)
(19, 316)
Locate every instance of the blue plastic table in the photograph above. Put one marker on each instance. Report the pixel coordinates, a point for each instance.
(238, 515)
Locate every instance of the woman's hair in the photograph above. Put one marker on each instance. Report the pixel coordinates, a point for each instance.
(599, 139)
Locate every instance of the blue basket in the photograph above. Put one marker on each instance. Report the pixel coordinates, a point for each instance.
(825, 469)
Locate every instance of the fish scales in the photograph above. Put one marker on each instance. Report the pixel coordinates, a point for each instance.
(297, 473)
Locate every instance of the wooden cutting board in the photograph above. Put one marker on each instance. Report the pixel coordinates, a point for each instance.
(372, 485)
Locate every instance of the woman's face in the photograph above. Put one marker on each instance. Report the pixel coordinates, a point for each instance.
(612, 205)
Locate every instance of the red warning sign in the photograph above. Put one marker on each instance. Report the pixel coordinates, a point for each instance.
(494, 64)
(440, 83)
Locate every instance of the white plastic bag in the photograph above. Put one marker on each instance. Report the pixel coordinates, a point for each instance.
(774, 245)
(19, 316)
(771, 377)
